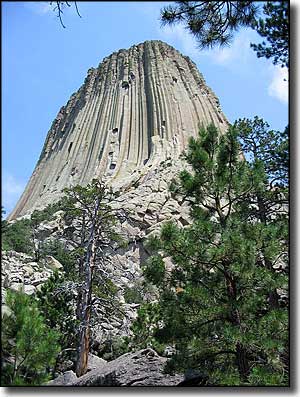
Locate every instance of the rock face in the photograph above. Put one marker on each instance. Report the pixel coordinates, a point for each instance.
(136, 110)
(142, 368)
(19, 272)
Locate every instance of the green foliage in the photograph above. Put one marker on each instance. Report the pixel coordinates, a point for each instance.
(17, 237)
(211, 22)
(133, 295)
(89, 206)
(46, 214)
(29, 345)
(145, 327)
(105, 289)
(275, 28)
(4, 223)
(268, 147)
(218, 304)
(155, 269)
(91, 231)
(214, 23)
(59, 251)
(56, 301)
(114, 348)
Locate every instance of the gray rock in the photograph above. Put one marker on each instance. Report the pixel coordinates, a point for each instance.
(5, 311)
(53, 263)
(142, 368)
(28, 270)
(95, 362)
(127, 163)
(29, 289)
(31, 265)
(193, 378)
(66, 379)
(16, 286)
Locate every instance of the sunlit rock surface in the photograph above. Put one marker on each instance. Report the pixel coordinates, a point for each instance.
(135, 111)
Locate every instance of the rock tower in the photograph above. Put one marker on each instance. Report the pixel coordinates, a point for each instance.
(127, 125)
(134, 112)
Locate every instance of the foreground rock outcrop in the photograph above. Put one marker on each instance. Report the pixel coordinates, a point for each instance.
(142, 368)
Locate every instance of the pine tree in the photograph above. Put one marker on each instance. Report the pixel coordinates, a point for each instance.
(214, 23)
(215, 302)
(3, 221)
(211, 22)
(275, 28)
(57, 301)
(268, 152)
(29, 346)
(91, 233)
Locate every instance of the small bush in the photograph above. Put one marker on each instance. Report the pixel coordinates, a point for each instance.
(29, 346)
(133, 295)
(57, 302)
(17, 237)
(114, 348)
(46, 214)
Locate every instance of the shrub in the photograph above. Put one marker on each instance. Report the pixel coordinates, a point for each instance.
(17, 237)
(56, 301)
(133, 295)
(29, 346)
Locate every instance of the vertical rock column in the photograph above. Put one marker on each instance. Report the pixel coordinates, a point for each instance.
(138, 108)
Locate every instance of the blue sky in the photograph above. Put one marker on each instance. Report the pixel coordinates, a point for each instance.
(43, 64)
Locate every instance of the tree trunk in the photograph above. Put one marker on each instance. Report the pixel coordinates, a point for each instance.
(85, 300)
(273, 296)
(79, 296)
(85, 312)
(242, 362)
(241, 352)
(83, 347)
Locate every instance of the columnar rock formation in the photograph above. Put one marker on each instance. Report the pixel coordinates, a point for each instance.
(136, 110)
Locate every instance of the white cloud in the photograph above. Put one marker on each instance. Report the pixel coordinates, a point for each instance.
(236, 53)
(39, 7)
(278, 87)
(11, 191)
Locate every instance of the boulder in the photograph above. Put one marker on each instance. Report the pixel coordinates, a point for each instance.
(5, 311)
(53, 263)
(142, 368)
(95, 362)
(65, 379)
(29, 289)
(193, 378)
(28, 270)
